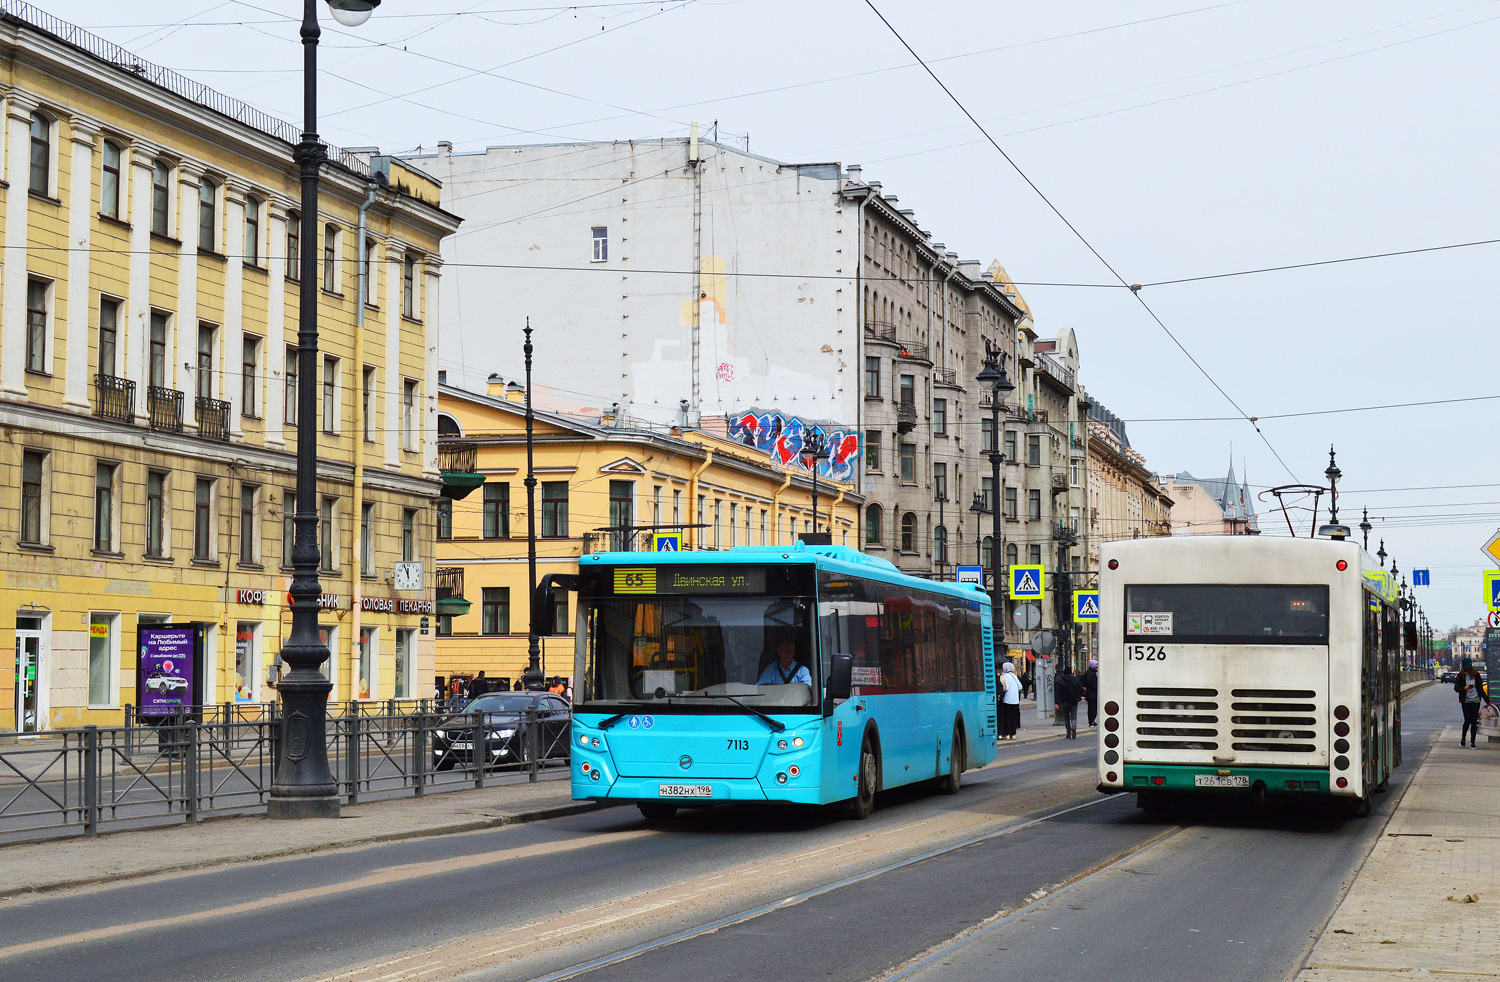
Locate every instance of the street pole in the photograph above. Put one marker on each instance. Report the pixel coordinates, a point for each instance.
(532, 677)
(813, 451)
(302, 785)
(993, 375)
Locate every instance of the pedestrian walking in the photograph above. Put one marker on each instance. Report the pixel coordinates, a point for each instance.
(1471, 696)
(1068, 690)
(478, 686)
(1010, 702)
(1090, 682)
(1028, 679)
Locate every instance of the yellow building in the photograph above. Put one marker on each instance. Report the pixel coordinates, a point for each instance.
(147, 358)
(602, 484)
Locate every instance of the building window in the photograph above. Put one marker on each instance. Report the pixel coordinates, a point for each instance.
(940, 482)
(249, 530)
(872, 451)
(986, 551)
(109, 319)
(1034, 505)
(156, 514)
(292, 362)
(908, 463)
(161, 198)
(1075, 473)
(404, 662)
(330, 394)
(367, 284)
(330, 258)
(940, 544)
(656, 506)
(872, 376)
(205, 361)
(293, 246)
(763, 516)
(601, 244)
(409, 285)
(109, 181)
(445, 519)
(367, 393)
(621, 513)
(1012, 554)
(367, 539)
(555, 509)
(1034, 554)
(207, 201)
(940, 417)
(909, 532)
(1033, 449)
(718, 523)
(408, 535)
(494, 610)
(36, 324)
(250, 377)
(104, 507)
(156, 370)
(560, 623)
(203, 519)
(497, 511)
(104, 672)
(1010, 444)
(246, 661)
(734, 518)
(986, 434)
(409, 414)
(41, 154)
(288, 525)
(252, 231)
(1010, 502)
(676, 508)
(908, 392)
(328, 539)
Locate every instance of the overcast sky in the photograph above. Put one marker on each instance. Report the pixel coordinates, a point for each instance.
(1180, 137)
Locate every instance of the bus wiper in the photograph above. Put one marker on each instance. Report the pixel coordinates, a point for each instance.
(776, 725)
(605, 724)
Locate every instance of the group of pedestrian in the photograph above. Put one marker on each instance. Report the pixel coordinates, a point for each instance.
(1471, 696)
(1069, 690)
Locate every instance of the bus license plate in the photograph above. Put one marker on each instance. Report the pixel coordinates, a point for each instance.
(1221, 780)
(686, 790)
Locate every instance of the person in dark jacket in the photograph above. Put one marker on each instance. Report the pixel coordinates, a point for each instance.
(1471, 696)
(1067, 690)
(479, 686)
(1090, 682)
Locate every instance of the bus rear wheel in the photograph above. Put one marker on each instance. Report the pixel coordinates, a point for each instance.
(949, 784)
(868, 778)
(656, 811)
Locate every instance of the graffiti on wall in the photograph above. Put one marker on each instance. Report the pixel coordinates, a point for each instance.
(781, 438)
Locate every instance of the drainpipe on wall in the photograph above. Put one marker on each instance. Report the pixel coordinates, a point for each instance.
(356, 569)
(693, 493)
(833, 511)
(859, 353)
(776, 508)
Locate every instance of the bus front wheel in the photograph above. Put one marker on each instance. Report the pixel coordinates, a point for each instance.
(868, 779)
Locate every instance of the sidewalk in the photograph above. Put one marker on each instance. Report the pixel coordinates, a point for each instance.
(1425, 902)
(126, 855)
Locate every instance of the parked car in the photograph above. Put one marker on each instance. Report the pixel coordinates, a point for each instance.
(506, 739)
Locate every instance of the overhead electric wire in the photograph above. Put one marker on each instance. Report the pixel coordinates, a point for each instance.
(1080, 236)
(1312, 412)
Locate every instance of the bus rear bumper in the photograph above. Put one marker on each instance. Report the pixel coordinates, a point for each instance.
(1222, 780)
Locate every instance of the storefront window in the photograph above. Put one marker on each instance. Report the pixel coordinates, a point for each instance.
(246, 661)
(368, 652)
(404, 640)
(102, 673)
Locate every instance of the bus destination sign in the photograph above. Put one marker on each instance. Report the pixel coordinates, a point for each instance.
(689, 579)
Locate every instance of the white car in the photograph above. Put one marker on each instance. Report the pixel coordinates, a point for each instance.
(167, 683)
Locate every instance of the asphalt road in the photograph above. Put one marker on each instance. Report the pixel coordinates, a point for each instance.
(769, 894)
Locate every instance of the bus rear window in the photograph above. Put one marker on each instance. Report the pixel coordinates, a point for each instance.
(1228, 614)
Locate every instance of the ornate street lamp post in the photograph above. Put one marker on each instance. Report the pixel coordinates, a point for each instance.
(303, 786)
(532, 678)
(993, 375)
(814, 451)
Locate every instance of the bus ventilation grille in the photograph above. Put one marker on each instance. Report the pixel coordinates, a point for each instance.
(1177, 719)
(1274, 720)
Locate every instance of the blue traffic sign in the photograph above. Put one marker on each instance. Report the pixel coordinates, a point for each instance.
(667, 541)
(1028, 582)
(1086, 606)
(1421, 577)
(971, 574)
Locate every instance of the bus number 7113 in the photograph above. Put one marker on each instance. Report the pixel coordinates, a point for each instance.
(1145, 652)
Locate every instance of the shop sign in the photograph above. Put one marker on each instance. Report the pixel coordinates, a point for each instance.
(414, 606)
(166, 669)
(256, 597)
(380, 605)
(326, 601)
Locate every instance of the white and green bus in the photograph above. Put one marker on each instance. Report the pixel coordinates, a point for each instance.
(1248, 665)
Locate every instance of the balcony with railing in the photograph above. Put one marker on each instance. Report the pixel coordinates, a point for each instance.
(449, 597)
(114, 398)
(906, 417)
(164, 408)
(901, 337)
(616, 540)
(1056, 371)
(213, 418)
(458, 463)
(945, 376)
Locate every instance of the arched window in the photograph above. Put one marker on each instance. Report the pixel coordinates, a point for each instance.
(109, 180)
(873, 531)
(208, 198)
(986, 551)
(1012, 554)
(940, 544)
(448, 426)
(909, 532)
(41, 154)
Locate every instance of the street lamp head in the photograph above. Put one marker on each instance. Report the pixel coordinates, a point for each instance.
(993, 374)
(978, 507)
(352, 13)
(813, 449)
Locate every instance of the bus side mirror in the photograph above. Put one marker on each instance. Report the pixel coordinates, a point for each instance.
(544, 602)
(840, 678)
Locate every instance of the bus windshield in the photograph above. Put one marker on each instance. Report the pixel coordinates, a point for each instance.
(701, 650)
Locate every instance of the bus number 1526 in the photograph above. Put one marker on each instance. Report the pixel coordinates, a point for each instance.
(1145, 652)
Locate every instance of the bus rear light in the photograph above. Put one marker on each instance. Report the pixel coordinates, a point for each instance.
(1342, 729)
(794, 770)
(1158, 780)
(1111, 740)
(1111, 757)
(1111, 708)
(1342, 565)
(1114, 564)
(1342, 782)
(1341, 746)
(1341, 763)
(1111, 777)
(585, 767)
(1111, 724)
(1341, 712)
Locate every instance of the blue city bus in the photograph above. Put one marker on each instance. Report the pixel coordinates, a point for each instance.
(804, 674)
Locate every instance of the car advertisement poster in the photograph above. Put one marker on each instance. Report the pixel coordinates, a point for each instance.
(166, 669)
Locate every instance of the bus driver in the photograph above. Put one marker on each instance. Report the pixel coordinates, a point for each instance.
(785, 668)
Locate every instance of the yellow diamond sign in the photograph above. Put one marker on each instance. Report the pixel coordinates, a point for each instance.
(1491, 549)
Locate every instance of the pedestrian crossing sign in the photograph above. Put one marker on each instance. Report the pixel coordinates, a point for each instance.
(1492, 588)
(1028, 582)
(1086, 606)
(666, 542)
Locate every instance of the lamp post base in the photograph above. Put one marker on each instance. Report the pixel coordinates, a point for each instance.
(299, 808)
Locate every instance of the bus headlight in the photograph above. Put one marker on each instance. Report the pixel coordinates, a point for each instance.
(797, 741)
(780, 778)
(780, 744)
